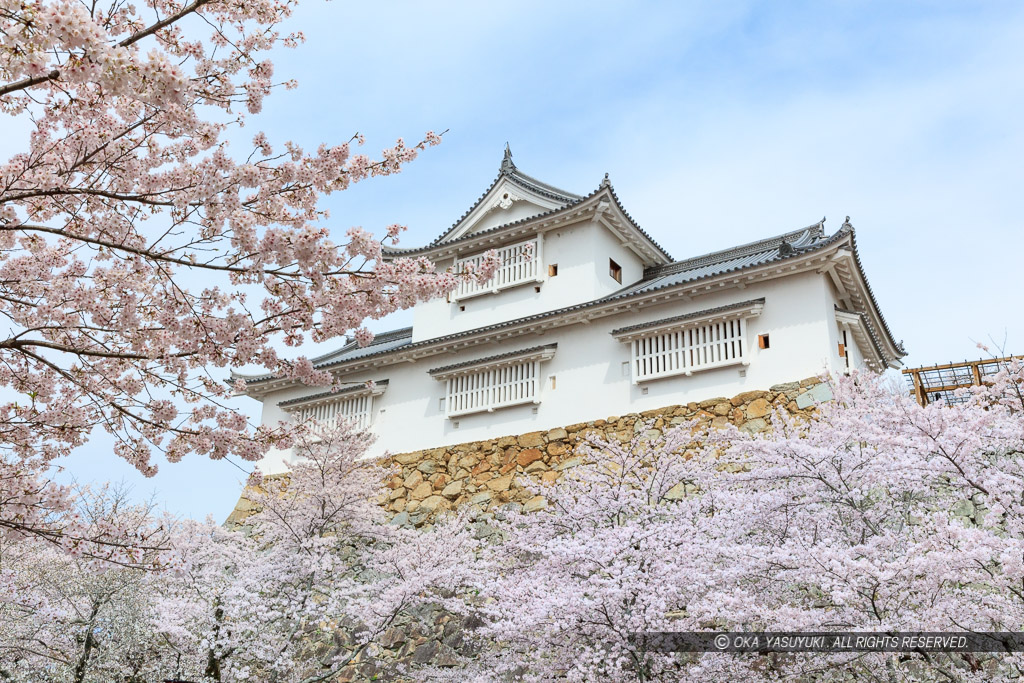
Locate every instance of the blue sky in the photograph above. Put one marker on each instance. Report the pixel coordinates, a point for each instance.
(720, 123)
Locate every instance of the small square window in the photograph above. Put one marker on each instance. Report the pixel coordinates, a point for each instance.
(615, 270)
(625, 368)
(762, 341)
(440, 404)
(553, 270)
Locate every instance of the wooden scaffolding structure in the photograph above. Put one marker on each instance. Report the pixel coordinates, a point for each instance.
(939, 382)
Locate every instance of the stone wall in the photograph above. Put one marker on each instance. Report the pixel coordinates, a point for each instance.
(486, 473)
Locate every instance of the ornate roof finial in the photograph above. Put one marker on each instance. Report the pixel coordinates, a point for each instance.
(506, 163)
(847, 225)
(605, 182)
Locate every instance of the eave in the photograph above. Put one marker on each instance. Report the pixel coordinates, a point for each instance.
(846, 273)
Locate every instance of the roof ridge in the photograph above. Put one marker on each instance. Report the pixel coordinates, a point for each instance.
(509, 170)
(545, 188)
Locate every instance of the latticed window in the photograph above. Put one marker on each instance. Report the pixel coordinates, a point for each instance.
(686, 344)
(491, 383)
(520, 263)
(354, 406)
(355, 410)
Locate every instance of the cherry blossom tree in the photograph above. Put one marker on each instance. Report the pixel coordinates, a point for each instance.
(68, 616)
(319, 576)
(624, 544)
(303, 593)
(140, 260)
(878, 515)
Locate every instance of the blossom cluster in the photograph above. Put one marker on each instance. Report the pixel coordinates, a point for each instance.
(140, 261)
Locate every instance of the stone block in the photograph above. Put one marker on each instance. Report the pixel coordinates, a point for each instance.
(421, 491)
(531, 440)
(413, 480)
(746, 397)
(816, 394)
(452, 490)
(501, 483)
(433, 503)
(528, 456)
(758, 408)
(754, 426)
(557, 448)
(481, 498)
(712, 402)
(408, 458)
(557, 434)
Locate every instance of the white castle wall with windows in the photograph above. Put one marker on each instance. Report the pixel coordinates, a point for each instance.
(593, 319)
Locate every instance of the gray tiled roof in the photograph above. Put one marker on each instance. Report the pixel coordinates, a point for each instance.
(385, 341)
(325, 394)
(736, 258)
(491, 359)
(778, 248)
(688, 316)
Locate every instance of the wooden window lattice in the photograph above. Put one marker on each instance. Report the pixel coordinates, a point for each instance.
(356, 410)
(491, 388)
(688, 350)
(519, 263)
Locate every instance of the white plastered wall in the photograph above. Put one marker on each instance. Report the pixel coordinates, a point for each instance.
(580, 250)
(587, 367)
